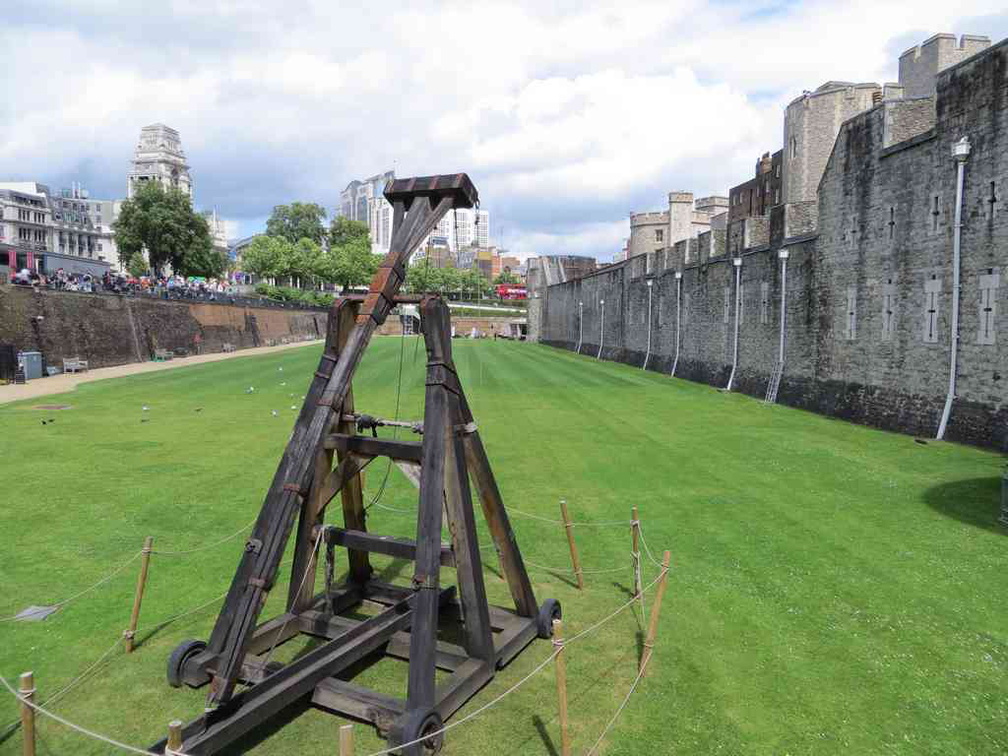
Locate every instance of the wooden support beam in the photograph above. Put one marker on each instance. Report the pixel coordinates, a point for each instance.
(497, 519)
(349, 700)
(218, 729)
(401, 548)
(408, 451)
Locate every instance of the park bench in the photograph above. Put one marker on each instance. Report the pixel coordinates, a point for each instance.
(161, 355)
(52, 370)
(74, 365)
(228, 347)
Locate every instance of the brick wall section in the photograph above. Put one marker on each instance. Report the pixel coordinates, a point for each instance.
(862, 342)
(109, 330)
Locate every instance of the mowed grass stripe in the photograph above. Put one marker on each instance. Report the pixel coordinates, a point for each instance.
(835, 588)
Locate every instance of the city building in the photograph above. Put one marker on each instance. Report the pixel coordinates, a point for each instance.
(684, 219)
(757, 195)
(44, 231)
(365, 201)
(159, 157)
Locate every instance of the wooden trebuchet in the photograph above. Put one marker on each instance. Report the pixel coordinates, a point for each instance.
(451, 454)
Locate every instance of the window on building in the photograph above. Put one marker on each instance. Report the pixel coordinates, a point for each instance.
(851, 324)
(989, 283)
(892, 221)
(741, 302)
(99, 246)
(726, 310)
(888, 309)
(992, 199)
(935, 212)
(794, 147)
(777, 171)
(932, 292)
(776, 196)
(764, 307)
(659, 235)
(686, 307)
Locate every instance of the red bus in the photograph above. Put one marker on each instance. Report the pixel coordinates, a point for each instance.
(511, 291)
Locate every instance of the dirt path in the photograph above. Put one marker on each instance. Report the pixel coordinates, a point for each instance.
(64, 382)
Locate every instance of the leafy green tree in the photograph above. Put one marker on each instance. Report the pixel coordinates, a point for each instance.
(161, 222)
(296, 221)
(507, 277)
(266, 256)
(420, 277)
(136, 265)
(350, 260)
(474, 283)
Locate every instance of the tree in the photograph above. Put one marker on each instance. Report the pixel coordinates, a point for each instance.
(161, 222)
(507, 277)
(350, 260)
(136, 265)
(297, 221)
(267, 256)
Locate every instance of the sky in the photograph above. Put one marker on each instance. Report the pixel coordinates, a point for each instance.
(568, 116)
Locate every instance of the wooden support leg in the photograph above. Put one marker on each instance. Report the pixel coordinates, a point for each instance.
(461, 523)
(301, 590)
(496, 517)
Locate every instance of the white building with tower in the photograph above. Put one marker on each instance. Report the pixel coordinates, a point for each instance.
(159, 157)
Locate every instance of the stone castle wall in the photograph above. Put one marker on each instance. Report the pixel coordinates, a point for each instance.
(111, 330)
(869, 292)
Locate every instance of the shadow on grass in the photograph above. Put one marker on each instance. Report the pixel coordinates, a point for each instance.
(540, 726)
(976, 502)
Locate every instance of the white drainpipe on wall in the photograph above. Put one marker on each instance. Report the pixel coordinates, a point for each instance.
(960, 151)
(601, 337)
(647, 356)
(783, 255)
(737, 262)
(580, 326)
(678, 318)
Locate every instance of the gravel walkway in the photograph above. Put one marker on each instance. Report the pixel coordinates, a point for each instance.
(59, 384)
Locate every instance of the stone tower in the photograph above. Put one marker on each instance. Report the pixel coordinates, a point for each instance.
(159, 157)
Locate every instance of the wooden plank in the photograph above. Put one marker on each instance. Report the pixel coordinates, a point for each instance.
(401, 548)
(512, 639)
(345, 471)
(342, 697)
(462, 686)
(497, 520)
(301, 588)
(218, 729)
(465, 544)
(352, 485)
(421, 683)
(408, 451)
(447, 656)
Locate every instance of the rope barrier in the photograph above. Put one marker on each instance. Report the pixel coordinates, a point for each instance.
(568, 569)
(538, 668)
(90, 588)
(619, 710)
(583, 524)
(72, 726)
(234, 535)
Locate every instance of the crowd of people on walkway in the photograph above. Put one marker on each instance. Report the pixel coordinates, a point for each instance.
(166, 287)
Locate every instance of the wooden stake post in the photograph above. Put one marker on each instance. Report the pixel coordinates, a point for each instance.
(653, 622)
(569, 529)
(638, 585)
(145, 553)
(561, 677)
(346, 740)
(410, 617)
(26, 687)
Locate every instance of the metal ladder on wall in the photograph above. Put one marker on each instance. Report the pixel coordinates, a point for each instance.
(774, 383)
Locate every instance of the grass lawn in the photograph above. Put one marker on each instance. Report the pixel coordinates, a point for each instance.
(835, 589)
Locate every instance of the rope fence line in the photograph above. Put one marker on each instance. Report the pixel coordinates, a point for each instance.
(538, 668)
(90, 588)
(619, 710)
(225, 539)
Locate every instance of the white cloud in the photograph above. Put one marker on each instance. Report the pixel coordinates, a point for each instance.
(567, 119)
